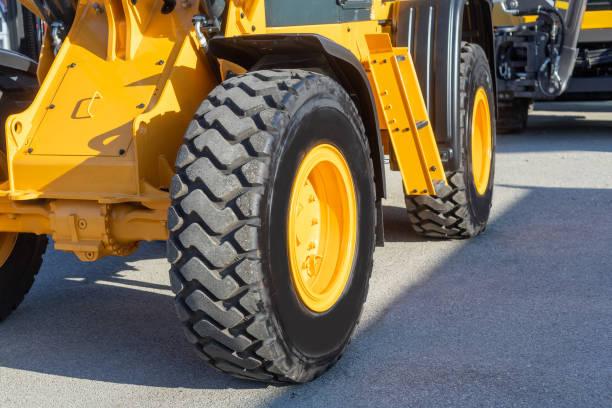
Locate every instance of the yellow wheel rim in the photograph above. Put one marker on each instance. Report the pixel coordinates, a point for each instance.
(481, 141)
(322, 227)
(7, 239)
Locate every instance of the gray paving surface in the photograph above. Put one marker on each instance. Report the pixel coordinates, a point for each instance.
(520, 316)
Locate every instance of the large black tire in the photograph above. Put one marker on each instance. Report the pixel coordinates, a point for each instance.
(458, 210)
(18, 271)
(30, 43)
(512, 115)
(228, 226)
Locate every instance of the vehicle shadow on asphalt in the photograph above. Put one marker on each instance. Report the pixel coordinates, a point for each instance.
(397, 226)
(91, 321)
(476, 329)
(516, 316)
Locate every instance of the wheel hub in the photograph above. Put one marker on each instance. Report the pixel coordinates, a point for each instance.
(481, 141)
(322, 230)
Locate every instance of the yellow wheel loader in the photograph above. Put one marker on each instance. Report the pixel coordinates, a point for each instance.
(251, 136)
(549, 50)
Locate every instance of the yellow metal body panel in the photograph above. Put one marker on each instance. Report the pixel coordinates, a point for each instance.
(110, 114)
(398, 95)
(251, 14)
(418, 153)
(105, 128)
(90, 161)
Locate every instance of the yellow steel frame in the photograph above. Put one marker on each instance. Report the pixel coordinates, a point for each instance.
(90, 161)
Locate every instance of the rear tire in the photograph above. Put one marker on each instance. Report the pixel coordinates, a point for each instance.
(459, 210)
(229, 225)
(19, 270)
(22, 253)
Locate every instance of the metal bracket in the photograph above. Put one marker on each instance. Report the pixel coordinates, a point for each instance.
(355, 4)
(446, 154)
(57, 29)
(202, 25)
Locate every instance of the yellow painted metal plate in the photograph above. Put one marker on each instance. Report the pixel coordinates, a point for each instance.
(93, 92)
(399, 98)
(113, 107)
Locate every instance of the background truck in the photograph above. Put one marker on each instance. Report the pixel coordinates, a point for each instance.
(528, 44)
(251, 136)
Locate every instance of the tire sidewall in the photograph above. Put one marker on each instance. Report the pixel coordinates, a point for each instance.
(480, 76)
(18, 271)
(317, 338)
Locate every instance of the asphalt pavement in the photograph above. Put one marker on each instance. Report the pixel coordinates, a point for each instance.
(519, 316)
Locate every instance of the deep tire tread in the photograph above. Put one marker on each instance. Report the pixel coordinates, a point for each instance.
(224, 163)
(447, 214)
(18, 273)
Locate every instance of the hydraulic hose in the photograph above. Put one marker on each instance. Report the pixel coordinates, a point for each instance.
(569, 50)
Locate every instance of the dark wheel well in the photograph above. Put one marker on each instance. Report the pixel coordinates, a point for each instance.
(318, 54)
